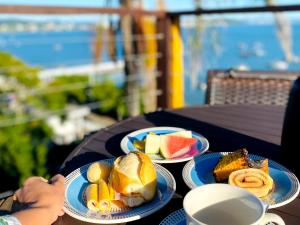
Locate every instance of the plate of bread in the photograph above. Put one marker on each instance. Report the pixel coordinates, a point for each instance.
(268, 180)
(118, 190)
(166, 144)
(175, 218)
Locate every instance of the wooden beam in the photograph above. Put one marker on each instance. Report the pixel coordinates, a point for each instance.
(176, 81)
(164, 64)
(279, 8)
(30, 9)
(53, 10)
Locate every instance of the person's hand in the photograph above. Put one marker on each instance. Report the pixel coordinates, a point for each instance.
(39, 193)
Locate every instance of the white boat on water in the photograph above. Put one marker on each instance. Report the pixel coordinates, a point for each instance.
(242, 67)
(247, 50)
(258, 49)
(279, 65)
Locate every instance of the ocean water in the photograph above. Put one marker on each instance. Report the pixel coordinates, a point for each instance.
(223, 47)
(51, 49)
(253, 46)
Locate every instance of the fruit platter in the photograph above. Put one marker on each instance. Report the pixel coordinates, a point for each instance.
(165, 144)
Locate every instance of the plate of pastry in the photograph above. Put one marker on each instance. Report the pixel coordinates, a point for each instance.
(166, 144)
(268, 180)
(118, 190)
(175, 218)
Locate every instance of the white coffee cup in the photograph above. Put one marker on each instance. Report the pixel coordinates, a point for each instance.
(223, 204)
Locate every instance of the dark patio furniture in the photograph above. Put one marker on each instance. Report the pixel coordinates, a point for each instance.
(249, 87)
(256, 127)
(227, 127)
(291, 130)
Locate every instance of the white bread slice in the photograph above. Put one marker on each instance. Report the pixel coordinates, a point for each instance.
(129, 165)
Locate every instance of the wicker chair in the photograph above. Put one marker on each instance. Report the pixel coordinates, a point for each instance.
(249, 87)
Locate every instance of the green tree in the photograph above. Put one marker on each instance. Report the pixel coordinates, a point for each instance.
(60, 91)
(23, 146)
(111, 98)
(23, 150)
(14, 68)
(75, 87)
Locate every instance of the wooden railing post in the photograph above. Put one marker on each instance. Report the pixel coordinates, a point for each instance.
(170, 64)
(163, 63)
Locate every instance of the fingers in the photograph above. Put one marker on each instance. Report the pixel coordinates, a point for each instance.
(23, 193)
(31, 180)
(61, 213)
(43, 179)
(34, 187)
(17, 195)
(58, 180)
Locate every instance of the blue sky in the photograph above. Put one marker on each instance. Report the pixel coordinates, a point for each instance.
(149, 4)
(173, 5)
(170, 4)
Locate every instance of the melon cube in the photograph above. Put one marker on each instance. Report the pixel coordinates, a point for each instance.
(152, 144)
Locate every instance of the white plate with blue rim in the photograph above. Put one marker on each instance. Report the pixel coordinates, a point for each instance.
(199, 171)
(127, 145)
(75, 203)
(175, 218)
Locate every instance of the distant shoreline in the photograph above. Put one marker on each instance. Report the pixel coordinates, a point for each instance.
(238, 46)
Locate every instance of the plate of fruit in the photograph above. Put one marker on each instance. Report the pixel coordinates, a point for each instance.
(166, 144)
(118, 190)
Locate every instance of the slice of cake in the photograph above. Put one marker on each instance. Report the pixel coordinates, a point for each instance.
(259, 164)
(229, 163)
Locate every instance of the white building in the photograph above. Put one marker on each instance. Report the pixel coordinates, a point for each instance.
(78, 122)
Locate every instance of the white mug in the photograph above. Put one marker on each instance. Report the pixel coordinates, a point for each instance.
(223, 204)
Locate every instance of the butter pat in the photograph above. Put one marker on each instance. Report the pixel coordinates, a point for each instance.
(152, 144)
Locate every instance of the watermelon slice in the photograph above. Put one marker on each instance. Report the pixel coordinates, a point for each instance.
(184, 133)
(174, 146)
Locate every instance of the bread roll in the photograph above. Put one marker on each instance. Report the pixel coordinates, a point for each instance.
(97, 171)
(103, 196)
(91, 193)
(134, 177)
